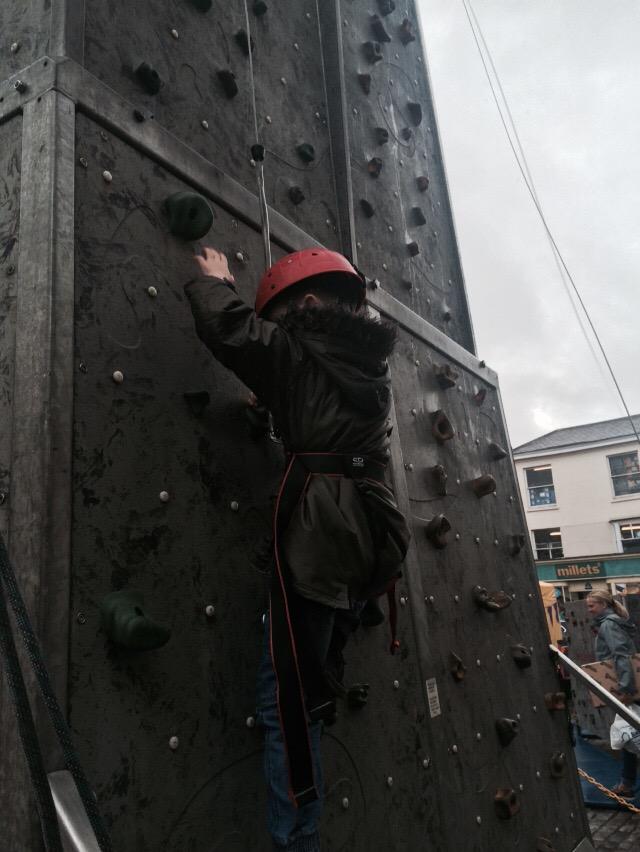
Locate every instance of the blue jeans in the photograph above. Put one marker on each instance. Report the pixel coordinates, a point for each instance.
(291, 828)
(629, 768)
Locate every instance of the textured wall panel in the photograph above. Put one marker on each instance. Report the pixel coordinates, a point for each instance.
(400, 212)
(24, 33)
(469, 760)
(10, 159)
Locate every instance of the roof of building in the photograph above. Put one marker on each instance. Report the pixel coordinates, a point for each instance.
(589, 433)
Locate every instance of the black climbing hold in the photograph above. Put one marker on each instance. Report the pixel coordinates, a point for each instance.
(381, 135)
(189, 214)
(228, 81)
(506, 803)
(423, 183)
(243, 41)
(439, 476)
(415, 113)
(456, 667)
(259, 8)
(558, 764)
(372, 51)
(517, 543)
(139, 115)
(480, 396)
(417, 217)
(413, 249)
(386, 7)
(378, 28)
(371, 615)
(148, 78)
(296, 195)
(367, 208)
(202, 5)
(441, 427)
(436, 531)
(407, 284)
(407, 134)
(257, 152)
(543, 844)
(125, 623)
(446, 376)
(446, 314)
(496, 452)
(491, 601)
(306, 152)
(555, 701)
(259, 427)
(521, 656)
(507, 730)
(483, 485)
(357, 696)
(365, 82)
(406, 32)
(374, 166)
(197, 401)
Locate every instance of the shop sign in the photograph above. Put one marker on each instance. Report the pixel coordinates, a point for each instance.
(580, 571)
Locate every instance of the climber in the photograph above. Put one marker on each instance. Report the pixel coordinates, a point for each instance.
(316, 360)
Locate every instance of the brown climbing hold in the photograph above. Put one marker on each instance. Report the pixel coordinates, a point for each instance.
(413, 249)
(306, 152)
(517, 543)
(492, 602)
(243, 41)
(496, 452)
(555, 701)
(365, 82)
(506, 803)
(296, 195)
(367, 208)
(417, 217)
(381, 135)
(483, 485)
(374, 166)
(259, 8)
(406, 32)
(521, 656)
(543, 844)
(558, 764)
(148, 78)
(415, 113)
(386, 7)
(446, 376)
(480, 396)
(456, 667)
(228, 81)
(441, 427)
(379, 30)
(439, 475)
(507, 730)
(436, 531)
(423, 183)
(372, 51)
(407, 134)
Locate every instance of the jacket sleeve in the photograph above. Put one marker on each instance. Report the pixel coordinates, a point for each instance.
(621, 650)
(256, 350)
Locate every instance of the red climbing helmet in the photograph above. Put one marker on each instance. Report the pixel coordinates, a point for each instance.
(296, 267)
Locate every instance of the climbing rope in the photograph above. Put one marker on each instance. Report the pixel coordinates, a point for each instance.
(30, 744)
(608, 792)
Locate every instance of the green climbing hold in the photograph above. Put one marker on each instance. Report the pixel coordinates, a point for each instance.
(190, 216)
(125, 623)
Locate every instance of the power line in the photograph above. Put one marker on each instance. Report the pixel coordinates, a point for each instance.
(528, 180)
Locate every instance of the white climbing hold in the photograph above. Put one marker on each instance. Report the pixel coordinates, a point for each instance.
(118, 377)
(164, 496)
(174, 742)
(107, 176)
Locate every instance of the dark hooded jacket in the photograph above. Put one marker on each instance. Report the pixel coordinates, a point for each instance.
(615, 640)
(323, 374)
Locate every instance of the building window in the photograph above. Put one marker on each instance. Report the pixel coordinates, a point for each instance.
(629, 536)
(625, 473)
(540, 485)
(548, 543)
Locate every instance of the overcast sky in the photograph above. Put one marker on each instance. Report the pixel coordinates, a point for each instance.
(571, 72)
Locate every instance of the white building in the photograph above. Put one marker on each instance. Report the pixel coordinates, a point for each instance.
(581, 492)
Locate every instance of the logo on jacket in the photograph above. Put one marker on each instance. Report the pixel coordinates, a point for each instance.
(357, 461)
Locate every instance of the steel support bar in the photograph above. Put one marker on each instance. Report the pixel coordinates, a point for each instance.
(75, 829)
(593, 685)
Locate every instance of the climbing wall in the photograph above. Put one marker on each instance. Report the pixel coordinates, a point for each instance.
(464, 740)
(10, 150)
(25, 26)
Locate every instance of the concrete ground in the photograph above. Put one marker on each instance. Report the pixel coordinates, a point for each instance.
(617, 830)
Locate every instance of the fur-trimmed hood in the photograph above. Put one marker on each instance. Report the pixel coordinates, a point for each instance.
(352, 347)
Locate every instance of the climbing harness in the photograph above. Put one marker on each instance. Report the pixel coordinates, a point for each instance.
(297, 670)
(619, 799)
(26, 725)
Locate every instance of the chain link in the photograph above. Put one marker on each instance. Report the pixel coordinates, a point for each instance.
(609, 793)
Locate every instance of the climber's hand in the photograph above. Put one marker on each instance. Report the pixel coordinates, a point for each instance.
(214, 264)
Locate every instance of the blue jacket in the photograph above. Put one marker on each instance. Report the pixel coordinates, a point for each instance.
(615, 640)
